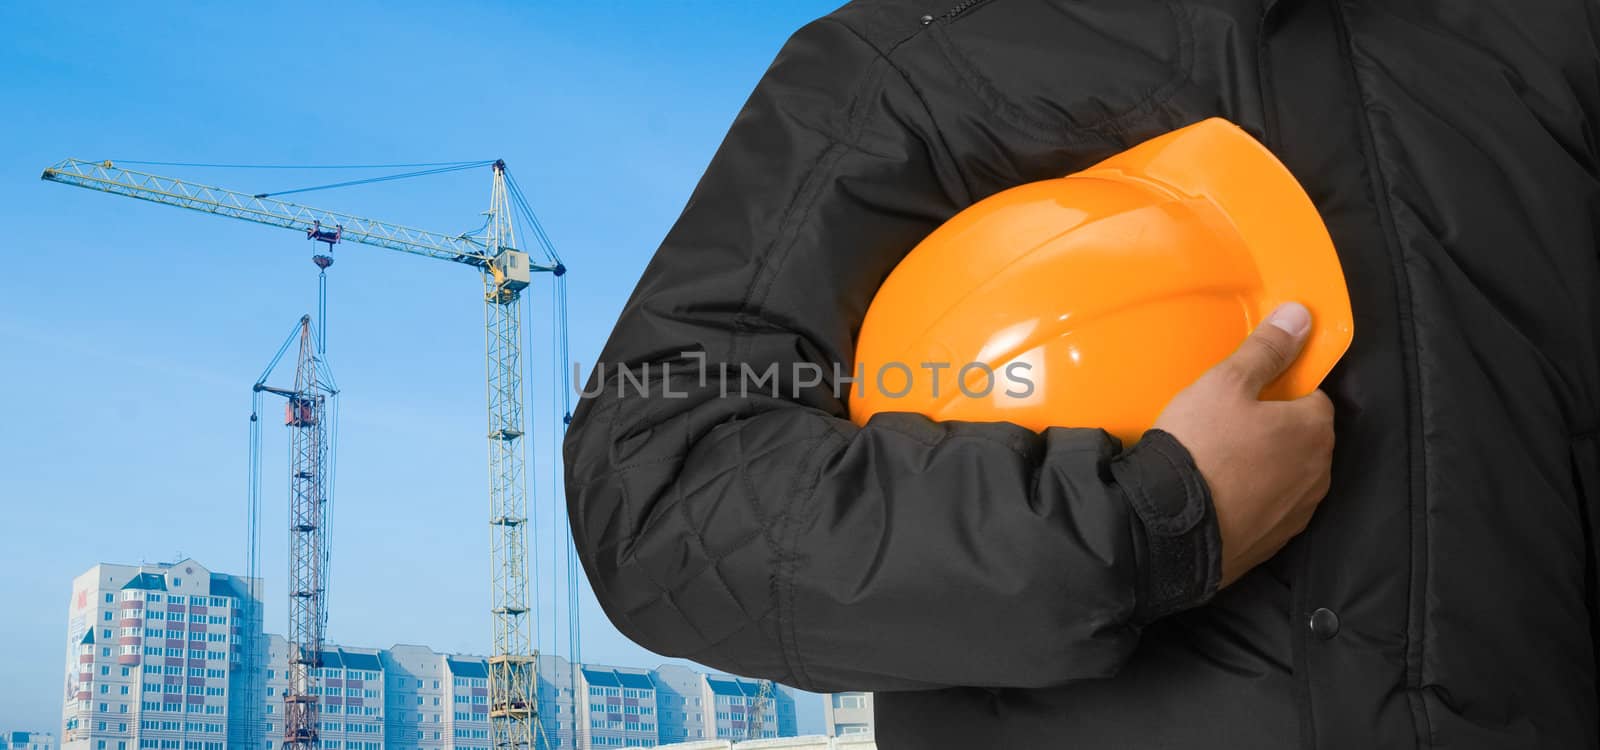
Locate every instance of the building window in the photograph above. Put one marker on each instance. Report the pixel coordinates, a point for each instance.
(849, 700)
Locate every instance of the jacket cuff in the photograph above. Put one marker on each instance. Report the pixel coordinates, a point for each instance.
(1182, 562)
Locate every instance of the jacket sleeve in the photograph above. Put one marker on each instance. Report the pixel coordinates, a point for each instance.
(763, 533)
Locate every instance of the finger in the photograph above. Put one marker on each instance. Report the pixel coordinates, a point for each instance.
(1270, 349)
(1320, 398)
(1319, 492)
(1315, 403)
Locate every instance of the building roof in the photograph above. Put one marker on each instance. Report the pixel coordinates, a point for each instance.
(223, 584)
(147, 582)
(467, 667)
(339, 658)
(724, 686)
(356, 660)
(88, 637)
(601, 677)
(635, 680)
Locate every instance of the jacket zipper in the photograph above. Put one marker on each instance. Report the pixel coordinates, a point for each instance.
(962, 7)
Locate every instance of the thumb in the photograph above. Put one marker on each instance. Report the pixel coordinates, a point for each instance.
(1271, 348)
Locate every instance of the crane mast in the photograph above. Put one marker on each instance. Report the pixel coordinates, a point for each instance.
(513, 667)
(305, 413)
(513, 710)
(309, 410)
(755, 711)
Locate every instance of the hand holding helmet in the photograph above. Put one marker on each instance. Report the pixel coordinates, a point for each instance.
(1267, 463)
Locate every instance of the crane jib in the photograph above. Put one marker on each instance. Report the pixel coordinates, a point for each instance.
(106, 177)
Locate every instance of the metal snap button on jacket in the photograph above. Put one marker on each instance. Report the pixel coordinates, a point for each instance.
(1324, 623)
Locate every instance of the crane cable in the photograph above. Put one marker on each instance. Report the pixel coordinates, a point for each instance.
(560, 521)
(528, 215)
(301, 166)
(562, 525)
(326, 383)
(383, 178)
(561, 357)
(541, 740)
(253, 520)
(252, 606)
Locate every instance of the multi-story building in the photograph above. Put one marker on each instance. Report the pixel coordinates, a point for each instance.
(154, 658)
(619, 710)
(28, 741)
(680, 709)
(421, 711)
(808, 742)
(846, 714)
(558, 711)
(172, 657)
(434, 701)
(695, 706)
(351, 702)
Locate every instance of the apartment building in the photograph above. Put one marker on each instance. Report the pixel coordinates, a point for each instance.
(848, 714)
(413, 698)
(154, 657)
(28, 741)
(698, 706)
(173, 657)
(351, 694)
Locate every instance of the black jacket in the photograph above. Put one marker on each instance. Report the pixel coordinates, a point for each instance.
(1004, 588)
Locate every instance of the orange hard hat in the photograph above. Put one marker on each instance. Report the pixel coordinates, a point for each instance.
(1092, 299)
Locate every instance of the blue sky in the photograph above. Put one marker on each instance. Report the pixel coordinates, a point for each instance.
(130, 333)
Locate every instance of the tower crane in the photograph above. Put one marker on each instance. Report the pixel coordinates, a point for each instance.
(755, 711)
(506, 270)
(308, 406)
